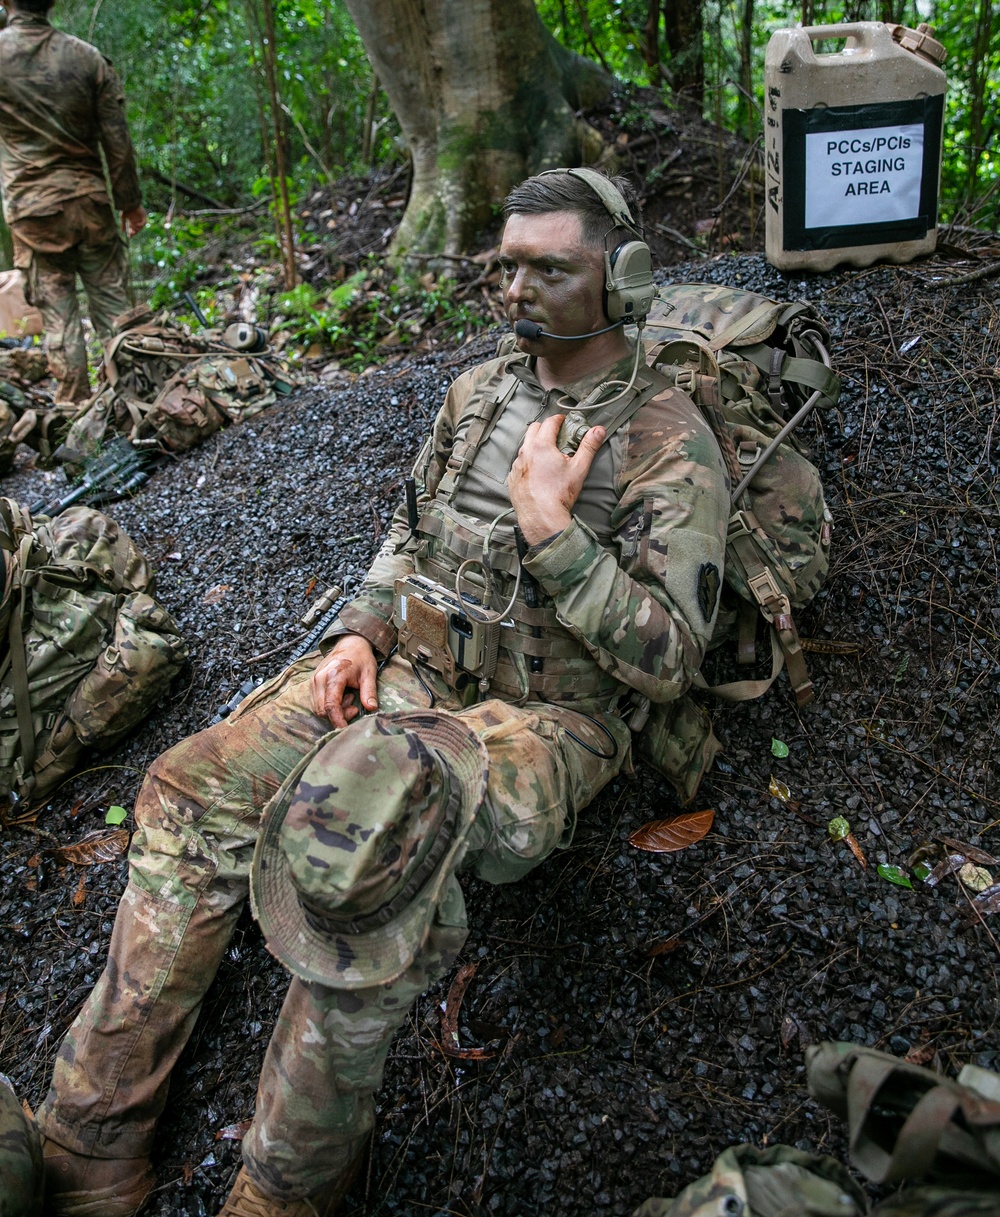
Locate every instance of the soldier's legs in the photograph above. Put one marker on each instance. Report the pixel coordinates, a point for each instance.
(315, 1100)
(50, 285)
(197, 817)
(104, 271)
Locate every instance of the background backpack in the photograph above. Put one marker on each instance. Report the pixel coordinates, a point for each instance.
(89, 651)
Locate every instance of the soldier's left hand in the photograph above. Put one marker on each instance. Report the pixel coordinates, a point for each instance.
(544, 483)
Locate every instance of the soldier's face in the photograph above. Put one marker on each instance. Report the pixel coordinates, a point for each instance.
(551, 275)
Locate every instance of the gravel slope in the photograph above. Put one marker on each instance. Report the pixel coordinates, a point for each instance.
(620, 1073)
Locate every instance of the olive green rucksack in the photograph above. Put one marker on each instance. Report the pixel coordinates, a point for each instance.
(756, 367)
(906, 1125)
(88, 651)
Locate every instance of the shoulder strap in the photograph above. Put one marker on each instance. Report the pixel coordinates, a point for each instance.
(484, 415)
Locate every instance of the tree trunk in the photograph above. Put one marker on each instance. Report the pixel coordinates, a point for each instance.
(484, 96)
(683, 28)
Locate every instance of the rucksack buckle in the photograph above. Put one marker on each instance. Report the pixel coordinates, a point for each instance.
(772, 600)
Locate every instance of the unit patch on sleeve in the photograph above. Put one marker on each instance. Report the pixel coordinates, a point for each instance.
(709, 583)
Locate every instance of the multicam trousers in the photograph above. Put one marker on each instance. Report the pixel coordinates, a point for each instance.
(52, 251)
(197, 819)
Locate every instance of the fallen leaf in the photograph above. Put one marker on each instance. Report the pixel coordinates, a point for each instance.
(80, 895)
(839, 828)
(93, 849)
(894, 875)
(665, 946)
(921, 871)
(234, 1132)
(668, 836)
(778, 790)
(309, 589)
(975, 878)
(851, 842)
(790, 1030)
(176, 556)
(970, 851)
(217, 593)
(988, 901)
(921, 1054)
(116, 815)
(779, 749)
(450, 1043)
(948, 866)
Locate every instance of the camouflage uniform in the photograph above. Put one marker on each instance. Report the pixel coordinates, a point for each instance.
(20, 1158)
(60, 105)
(623, 607)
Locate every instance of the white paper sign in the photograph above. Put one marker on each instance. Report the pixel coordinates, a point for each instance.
(864, 177)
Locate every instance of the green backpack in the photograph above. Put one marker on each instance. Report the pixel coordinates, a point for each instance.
(756, 367)
(89, 651)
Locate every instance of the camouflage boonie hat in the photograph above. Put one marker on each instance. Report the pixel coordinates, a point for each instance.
(358, 846)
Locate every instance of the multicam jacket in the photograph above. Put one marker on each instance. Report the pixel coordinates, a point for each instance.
(60, 103)
(629, 591)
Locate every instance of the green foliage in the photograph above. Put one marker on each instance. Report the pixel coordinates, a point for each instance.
(373, 315)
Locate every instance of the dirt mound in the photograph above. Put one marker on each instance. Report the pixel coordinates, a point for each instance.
(639, 1012)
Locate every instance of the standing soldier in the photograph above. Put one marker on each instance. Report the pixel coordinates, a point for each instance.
(61, 106)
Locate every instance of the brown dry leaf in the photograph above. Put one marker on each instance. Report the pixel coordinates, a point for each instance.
(80, 895)
(450, 1044)
(949, 866)
(921, 1054)
(217, 593)
(309, 589)
(778, 790)
(790, 1030)
(234, 1132)
(988, 901)
(668, 836)
(94, 849)
(665, 946)
(852, 842)
(969, 851)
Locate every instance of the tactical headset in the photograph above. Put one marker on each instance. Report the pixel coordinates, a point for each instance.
(628, 268)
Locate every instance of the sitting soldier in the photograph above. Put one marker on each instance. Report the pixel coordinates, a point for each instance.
(458, 745)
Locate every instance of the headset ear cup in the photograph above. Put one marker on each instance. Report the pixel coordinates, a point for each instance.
(628, 287)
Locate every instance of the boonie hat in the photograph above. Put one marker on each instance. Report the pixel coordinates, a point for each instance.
(357, 848)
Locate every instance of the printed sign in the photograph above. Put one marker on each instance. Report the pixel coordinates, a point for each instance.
(864, 176)
(860, 175)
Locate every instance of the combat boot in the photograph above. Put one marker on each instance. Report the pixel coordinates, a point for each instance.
(247, 1200)
(77, 1185)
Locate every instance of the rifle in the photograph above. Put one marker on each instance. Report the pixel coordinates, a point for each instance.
(116, 471)
(317, 621)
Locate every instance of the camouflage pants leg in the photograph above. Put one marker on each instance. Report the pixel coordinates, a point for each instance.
(197, 819)
(50, 285)
(315, 1099)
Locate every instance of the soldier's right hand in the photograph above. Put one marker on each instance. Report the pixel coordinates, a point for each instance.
(350, 666)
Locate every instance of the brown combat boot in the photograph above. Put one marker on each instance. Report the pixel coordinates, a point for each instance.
(247, 1200)
(80, 1186)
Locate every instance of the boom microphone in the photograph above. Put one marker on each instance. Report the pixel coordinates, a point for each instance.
(533, 331)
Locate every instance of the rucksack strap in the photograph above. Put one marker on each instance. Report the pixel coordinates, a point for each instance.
(810, 373)
(19, 661)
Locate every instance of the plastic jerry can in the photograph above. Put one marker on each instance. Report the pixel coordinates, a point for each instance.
(853, 145)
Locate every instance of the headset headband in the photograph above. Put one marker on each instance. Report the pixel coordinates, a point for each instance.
(613, 202)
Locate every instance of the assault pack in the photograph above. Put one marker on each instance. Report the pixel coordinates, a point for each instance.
(165, 386)
(906, 1125)
(756, 367)
(88, 649)
(27, 416)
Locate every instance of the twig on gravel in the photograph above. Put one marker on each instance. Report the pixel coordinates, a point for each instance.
(974, 276)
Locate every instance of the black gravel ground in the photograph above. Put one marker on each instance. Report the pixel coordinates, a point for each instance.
(620, 1069)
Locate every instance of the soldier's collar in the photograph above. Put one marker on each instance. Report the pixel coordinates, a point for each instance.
(621, 369)
(21, 18)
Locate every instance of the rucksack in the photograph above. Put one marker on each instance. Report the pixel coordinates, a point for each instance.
(756, 367)
(89, 650)
(166, 386)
